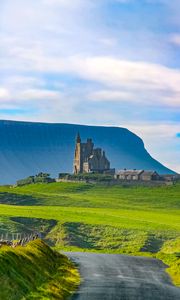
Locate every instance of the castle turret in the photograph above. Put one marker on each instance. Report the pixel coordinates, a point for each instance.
(77, 165)
(78, 139)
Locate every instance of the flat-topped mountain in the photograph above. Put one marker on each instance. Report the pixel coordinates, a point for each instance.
(27, 148)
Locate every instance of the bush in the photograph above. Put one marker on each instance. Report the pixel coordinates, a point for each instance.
(39, 178)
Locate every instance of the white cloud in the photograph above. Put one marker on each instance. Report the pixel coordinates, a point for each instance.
(17, 82)
(124, 1)
(110, 95)
(143, 82)
(138, 81)
(35, 94)
(4, 94)
(109, 42)
(156, 130)
(16, 98)
(116, 72)
(175, 39)
(160, 141)
(65, 3)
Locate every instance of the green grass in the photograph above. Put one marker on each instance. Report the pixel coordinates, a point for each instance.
(36, 272)
(89, 195)
(170, 254)
(24, 225)
(87, 217)
(123, 218)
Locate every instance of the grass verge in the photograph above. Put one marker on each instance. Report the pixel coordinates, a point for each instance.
(170, 255)
(36, 272)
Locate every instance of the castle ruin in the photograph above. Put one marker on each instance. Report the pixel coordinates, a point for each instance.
(87, 159)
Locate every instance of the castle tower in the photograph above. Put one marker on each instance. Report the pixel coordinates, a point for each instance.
(87, 159)
(78, 139)
(77, 165)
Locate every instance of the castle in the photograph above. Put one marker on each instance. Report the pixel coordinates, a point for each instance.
(87, 159)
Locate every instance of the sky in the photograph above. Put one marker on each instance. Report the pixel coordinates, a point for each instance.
(95, 62)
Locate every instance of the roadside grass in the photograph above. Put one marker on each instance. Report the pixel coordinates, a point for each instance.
(107, 238)
(108, 219)
(36, 272)
(170, 254)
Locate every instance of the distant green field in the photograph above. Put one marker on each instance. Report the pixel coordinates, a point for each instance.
(87, 217)
(86, 195)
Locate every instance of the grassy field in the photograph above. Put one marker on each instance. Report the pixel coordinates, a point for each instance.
(87, 217)
(36, 272)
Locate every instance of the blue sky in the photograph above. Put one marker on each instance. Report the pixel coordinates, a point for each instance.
(105, 62)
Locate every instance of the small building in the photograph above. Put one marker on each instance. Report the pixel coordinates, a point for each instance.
(149, 176)
(137, 175)
(128, 174)
(170, 177)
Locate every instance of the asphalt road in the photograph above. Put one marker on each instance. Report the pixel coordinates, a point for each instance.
(120, 277)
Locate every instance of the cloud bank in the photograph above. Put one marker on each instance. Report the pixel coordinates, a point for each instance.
(105, 62)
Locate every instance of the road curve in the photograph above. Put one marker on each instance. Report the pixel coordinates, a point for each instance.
(121, 277)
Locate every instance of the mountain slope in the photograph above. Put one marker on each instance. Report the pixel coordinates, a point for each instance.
(27, 148)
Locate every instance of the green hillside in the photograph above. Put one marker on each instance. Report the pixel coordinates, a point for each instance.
(36, 272)
(89, 195)
(86, 217)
